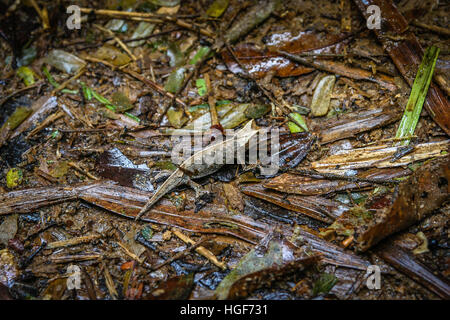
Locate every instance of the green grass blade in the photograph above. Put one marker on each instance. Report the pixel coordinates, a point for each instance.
(418, 95)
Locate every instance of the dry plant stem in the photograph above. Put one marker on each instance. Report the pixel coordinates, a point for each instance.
(181, 254)
(211, 102)
(65, 83)
(119, 42)
(42, 15)
(34, 85)
(440, 80)
(50, 119)
(140, 16)
(72, 242)
(436, 29)
(200, 250)
(331, 176)
(154, 86)
(92, 59)
(110, 283)
(75, 257)
(346, 17)
(86, 173)
(129, 253)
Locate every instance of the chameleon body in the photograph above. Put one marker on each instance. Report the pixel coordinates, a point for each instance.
(201, 164)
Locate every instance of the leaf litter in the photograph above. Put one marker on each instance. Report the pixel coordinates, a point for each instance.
(85, 141)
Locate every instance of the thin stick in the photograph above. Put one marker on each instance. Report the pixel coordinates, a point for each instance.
(119, 42)
(129, 253)
(200, 250)
(110, 283)
(86, 173)
(140, 16)
(72, 242)
(181, 254)
(34, 85)
(65, 83)
(436, 29)
(212, 102)
(332, 176)
(154, 86)
(47, 121)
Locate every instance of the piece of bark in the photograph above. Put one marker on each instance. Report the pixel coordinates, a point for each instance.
(414, 199)
(349, 125)
(318, 208)
(41, 108)
(407, 264)
(406, 52)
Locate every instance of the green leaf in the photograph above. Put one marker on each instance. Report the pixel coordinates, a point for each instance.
(294, 128)
(418, 94)
(27, 56)
(87, 92)
(69, 91)
(147, 233)
(64, 61)
(256, 111)
(26, 74)
(201, 86)
(14, 177)
(324, 284)
(175, 80)
(175, 55)
(252, 262)
(121, 101)
(100, 98)
(49, 77)
(19, 115)
(176, 117)
(299, 120)
(131, 116)
(200, 54)
(144, 29)
(217, 8)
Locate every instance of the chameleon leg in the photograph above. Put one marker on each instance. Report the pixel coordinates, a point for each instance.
(177, 178)
(202, 196)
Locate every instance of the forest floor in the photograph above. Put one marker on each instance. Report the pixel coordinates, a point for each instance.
(90, 119)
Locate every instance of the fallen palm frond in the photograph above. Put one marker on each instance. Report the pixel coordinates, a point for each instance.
(309, 185)
(379, 157)
(352, 124)
(318, 208)
(418, 94)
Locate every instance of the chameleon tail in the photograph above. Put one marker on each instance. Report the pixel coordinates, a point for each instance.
(177, 178)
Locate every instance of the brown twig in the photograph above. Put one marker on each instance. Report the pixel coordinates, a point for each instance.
(118, 41)
(150, 17)
(332, 176)
(154, 86)
(200, 250)
(181, 254)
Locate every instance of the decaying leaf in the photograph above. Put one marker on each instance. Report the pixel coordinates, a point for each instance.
(384, 215)
(270, 255)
